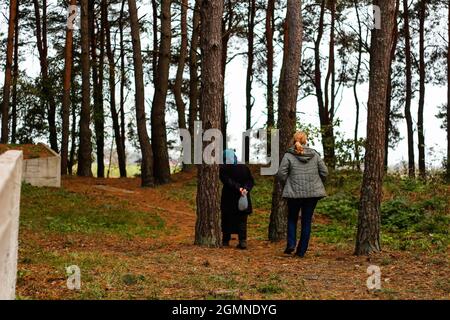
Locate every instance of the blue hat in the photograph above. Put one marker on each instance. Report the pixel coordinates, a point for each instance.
(229, 157)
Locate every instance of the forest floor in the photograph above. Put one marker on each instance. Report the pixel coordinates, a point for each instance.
(135, 243)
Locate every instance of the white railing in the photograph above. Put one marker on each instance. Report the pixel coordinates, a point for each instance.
(10, 186)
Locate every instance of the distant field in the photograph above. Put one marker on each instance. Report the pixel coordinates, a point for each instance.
(133, 170)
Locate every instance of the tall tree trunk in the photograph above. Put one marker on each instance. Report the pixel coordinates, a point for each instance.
(327, 126)
(68, 63)
(73, 133)
(85, 147)
(8, 67)
(15, 78)
(388, 112)
(193, 68)
(146, 148)
(355, 87)
(227, 30)
(448, 98)
(270, 25)
(49, 97)
(155, 40)
(207, 228)
(97, 79)
(194, 78)
(368, 235)
(324, 114)
(100, 112)
(178, 86)
(287, 108)
(249, 81)
(112, 94)
(422, 80)
(408, 98)
(161, 170)
(122, 75)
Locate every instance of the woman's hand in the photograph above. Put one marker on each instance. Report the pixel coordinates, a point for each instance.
(243, 191)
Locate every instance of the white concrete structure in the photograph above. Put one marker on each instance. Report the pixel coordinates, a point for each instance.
(10, 187)
(43, 172)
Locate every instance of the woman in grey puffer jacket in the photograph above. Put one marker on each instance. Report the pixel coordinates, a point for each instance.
(303, 172)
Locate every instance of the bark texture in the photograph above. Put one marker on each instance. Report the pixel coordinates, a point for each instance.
(368, 235)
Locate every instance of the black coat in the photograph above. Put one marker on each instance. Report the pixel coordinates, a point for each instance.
(233, 178)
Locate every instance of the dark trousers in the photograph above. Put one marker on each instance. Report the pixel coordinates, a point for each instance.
(239, 227)
(227, 236)
(307, 207)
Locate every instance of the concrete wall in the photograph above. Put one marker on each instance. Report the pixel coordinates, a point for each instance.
(10, 186)
(43, 172)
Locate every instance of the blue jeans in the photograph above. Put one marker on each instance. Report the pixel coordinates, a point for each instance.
(307, 206)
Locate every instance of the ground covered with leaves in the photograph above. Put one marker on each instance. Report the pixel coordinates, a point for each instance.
(134, 243)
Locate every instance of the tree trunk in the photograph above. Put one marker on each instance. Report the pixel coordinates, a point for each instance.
(422, 80)
(287, 106)
(15, 78)
(97, 79)
(155, 40)
(408, 117)
(249, 82)
(355, 88)
(100, 112)
(112, 95)
(207, 228)
(448, 98)
(193, 69)
(270, 25)
(326, 118)
(227, 29)
(161, 170)
(389, 92)
(317, 71)
(85, 147)
(178, 86)
(47, 92)
(328, 140)
(368, 236)
(8, 67)
(68, 62)
(146, 148)
(194, 79)
(122, 75)
(73, 133)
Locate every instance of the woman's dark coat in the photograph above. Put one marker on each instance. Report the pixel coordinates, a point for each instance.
(233, 178)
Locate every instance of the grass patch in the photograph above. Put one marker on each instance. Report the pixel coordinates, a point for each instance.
(270, 288)
(414, 215)
(60, 211)
(188, 193)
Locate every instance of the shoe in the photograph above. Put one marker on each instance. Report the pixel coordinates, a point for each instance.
(242, 245)
(299, 255)
(289, 250)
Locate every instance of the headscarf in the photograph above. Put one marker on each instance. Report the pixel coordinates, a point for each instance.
(229, 157)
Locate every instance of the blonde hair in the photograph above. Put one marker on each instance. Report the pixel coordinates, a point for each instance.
(299, 141)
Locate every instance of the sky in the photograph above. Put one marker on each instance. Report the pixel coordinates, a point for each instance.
(435, 96)
(235, 99)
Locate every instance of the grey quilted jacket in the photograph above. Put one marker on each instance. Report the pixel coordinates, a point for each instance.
(303, 175)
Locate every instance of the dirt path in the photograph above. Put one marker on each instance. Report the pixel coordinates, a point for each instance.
(176, 213)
